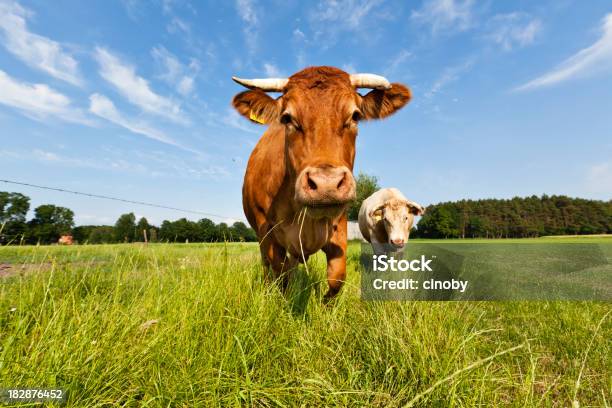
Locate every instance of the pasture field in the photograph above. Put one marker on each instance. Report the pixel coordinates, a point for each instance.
(193, 325)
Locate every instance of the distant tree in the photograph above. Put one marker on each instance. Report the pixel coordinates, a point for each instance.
(439, 222)
(366, 186)
(207, 230)
(143, 225)
(102, 234)
(477, 227)
(153, 234)
(516, 218)
(166, 232)
(82, 233)
(13, 210)
(223, 232)
(240, 232)
(125, 228)
(181, 230)
(49, 223)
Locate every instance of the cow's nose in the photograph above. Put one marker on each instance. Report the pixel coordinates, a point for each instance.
(326, 185)
(326, 180)
(398, 242)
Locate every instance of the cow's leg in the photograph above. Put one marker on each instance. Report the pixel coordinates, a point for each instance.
(277, 263)
(282, 265)
(265, 250)
(335, 250)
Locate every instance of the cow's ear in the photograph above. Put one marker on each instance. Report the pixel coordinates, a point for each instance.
(257, 106)
(414, 208)
(380, 103)
(377, 214)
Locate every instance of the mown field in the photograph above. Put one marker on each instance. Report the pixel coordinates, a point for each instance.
(194, 325)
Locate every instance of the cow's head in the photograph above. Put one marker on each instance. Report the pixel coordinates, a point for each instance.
(319, 110)
(397, 217)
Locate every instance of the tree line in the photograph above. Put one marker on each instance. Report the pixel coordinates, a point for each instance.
(516, 218)
(489, 218)
(50, 222)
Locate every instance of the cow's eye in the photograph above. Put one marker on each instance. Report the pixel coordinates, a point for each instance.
(357, 116)
(289, 121)
(285, 118)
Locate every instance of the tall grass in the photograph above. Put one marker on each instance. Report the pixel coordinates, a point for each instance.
(194, 325)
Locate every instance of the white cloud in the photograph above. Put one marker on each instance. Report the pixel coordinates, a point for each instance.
(246, 11)
(38, 101)
(347, 13)
(330, 18)
(134, 9)
(514, 30)
(172, 164)
(95, 163)
(235, 120)
(153, 164)
(35, 50)
(448, 76)
(176, 25)
(397, 61)
(135, 88)
(185, 85)
(272, 71)
(172, 66)
(298, 35)
(176, 73)
(595, 58)
(103, 107)
(445, 15)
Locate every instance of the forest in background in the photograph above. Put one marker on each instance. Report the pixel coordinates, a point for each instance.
(517, 217)
(50, 222)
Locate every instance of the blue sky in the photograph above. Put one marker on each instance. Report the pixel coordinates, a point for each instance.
(132, 99)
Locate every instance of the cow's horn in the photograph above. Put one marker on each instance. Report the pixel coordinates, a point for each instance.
(265, 84)
(372, 81)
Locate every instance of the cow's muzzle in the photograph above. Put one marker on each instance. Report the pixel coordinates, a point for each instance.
(325, 190)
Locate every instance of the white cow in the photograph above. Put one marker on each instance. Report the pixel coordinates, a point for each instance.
(386, 217)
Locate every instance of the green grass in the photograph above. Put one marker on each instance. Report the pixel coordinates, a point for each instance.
(73, 318)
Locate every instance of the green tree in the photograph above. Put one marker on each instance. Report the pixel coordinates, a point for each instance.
(166, 231)
(125, 228)
(366, 186)
(181, 230)
(517, 218)
(49, 223)
(102, 234)
(143, 225)
(13, 210)
(240, 232)
(82, 233)
(207, 230)
(223, 232)
(153, 233)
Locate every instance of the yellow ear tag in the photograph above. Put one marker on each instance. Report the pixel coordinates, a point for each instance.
(256, 118)
(377, 217)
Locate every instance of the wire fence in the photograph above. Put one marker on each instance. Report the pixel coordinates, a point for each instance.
(123, 200)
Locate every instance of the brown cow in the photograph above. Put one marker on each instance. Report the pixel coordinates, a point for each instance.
(65, 240)
(299, 181)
